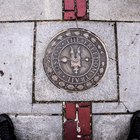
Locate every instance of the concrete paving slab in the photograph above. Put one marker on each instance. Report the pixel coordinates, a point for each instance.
(16, 51)
(129, 64)
(38, 127)
(108, 108)
(17, 10)
(111, 127)
(118, 10)
(46, 91)
(49, 108)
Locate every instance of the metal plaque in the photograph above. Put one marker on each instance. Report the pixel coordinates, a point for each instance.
(75, 60)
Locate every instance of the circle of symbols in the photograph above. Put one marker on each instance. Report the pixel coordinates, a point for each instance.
(75, 60)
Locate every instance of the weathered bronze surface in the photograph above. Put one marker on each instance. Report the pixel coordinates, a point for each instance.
(75, 60)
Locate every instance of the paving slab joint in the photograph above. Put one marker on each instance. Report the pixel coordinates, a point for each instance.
(34, 62)
(117, 60)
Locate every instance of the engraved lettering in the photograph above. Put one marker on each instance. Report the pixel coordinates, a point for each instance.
(69, 79)
(77, 80)
(75, 62)
(83, 79)
(74, 39)
(59, 72)
(72, 79)
(87, 77)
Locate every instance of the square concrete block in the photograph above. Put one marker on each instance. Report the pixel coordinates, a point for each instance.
(119, 10)
(111, 127)
(129, 64)
(108, 108)
(38, 127)
(46, 91)
(16, 51)
(49, 108)
(17, 10)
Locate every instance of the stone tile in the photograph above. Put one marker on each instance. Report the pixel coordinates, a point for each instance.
(38, 127)
(111, 127)
(129, 64)
(119, 10)
(30, 10)
(108, 108)
(45, 90)
(16, 51)
(51, 108)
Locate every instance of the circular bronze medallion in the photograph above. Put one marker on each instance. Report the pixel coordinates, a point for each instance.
(75, 60)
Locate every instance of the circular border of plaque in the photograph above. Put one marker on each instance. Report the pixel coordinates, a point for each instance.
(75, 59)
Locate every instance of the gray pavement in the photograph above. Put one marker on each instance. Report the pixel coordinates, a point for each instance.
(34, 104)
(114, 10)
(46, 91)
(26, 10)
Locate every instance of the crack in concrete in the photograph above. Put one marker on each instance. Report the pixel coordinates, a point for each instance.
(125, 107)
(134, 40)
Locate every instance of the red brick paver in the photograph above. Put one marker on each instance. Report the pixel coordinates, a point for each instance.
(81, 8)
(70, 111)
(69, 15)
(84, 104)
(70, 130)
(69, 5)
(84, 120)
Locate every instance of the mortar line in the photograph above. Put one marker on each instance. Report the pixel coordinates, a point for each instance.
(63, 117)
(91, 121)
(117, 113)
(63, 9)
(87, 6)
(75, 11)
(22, 21)
(100, 101)
(49, 114)
(33, 114)
(34, 63)
(117, 61)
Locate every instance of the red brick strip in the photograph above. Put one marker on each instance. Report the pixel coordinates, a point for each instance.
(75, 9)
(77, 124)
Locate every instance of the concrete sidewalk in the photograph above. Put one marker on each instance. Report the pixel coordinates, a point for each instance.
(35, 105)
